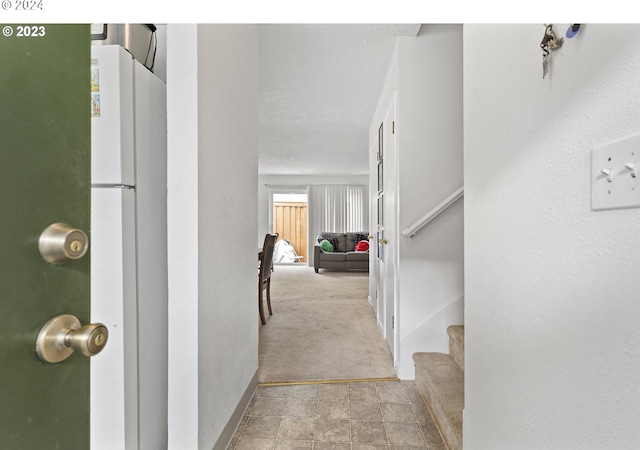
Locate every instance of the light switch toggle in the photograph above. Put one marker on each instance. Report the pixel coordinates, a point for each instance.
(632, 168)
(607, 172)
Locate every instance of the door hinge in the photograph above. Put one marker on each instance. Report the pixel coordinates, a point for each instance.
(393, 322)
(393, 127)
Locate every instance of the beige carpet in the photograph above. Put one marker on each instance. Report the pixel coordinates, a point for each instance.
(322, 328)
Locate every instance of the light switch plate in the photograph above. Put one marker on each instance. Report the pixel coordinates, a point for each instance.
(615, 175)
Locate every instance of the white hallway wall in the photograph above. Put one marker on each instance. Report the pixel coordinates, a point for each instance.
(551, 306)
(212, 99)
(426, 77)
(430, 166)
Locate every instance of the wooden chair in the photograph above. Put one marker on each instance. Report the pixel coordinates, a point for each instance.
(264, 274)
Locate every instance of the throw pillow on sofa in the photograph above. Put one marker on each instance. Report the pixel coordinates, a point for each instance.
(353, 238)
(338, 240)
(333, 241)
(362, 246)
(326, 246)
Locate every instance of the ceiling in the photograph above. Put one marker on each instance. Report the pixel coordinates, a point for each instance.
(319, 85)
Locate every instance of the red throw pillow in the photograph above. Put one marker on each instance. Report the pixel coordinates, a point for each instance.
(362, 246)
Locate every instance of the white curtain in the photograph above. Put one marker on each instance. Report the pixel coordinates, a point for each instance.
(337, 208)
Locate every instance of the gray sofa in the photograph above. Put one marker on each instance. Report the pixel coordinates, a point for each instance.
(343, 256)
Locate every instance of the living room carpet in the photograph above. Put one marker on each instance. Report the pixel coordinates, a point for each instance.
(322, 328)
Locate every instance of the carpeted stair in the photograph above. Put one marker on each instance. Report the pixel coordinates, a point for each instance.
(440, 379)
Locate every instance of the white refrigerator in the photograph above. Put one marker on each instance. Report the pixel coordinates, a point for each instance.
(128, 252)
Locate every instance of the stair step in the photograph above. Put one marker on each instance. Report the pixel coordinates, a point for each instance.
(441, 382)
(456, 344)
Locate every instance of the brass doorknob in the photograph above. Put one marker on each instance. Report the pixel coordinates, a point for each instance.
(63, 334)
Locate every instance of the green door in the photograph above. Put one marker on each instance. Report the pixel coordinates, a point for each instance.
(44, 178)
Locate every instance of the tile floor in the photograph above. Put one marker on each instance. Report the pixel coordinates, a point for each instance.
(373, 415)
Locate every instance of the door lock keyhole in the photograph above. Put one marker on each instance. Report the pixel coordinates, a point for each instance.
(60, 243)
(63, 334)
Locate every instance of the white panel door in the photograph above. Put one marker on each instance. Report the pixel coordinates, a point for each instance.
(390, 230)
(386, 235)
(373, 226)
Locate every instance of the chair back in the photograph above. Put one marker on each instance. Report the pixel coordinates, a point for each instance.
(266, 258)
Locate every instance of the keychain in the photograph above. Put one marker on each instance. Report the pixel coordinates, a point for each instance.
(549, 43)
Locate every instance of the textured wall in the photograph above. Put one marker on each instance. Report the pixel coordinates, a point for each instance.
(551, 299)
(228, 181)
(213, 160)
(431, 269)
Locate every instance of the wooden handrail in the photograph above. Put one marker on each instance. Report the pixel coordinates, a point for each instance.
(435, 212)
